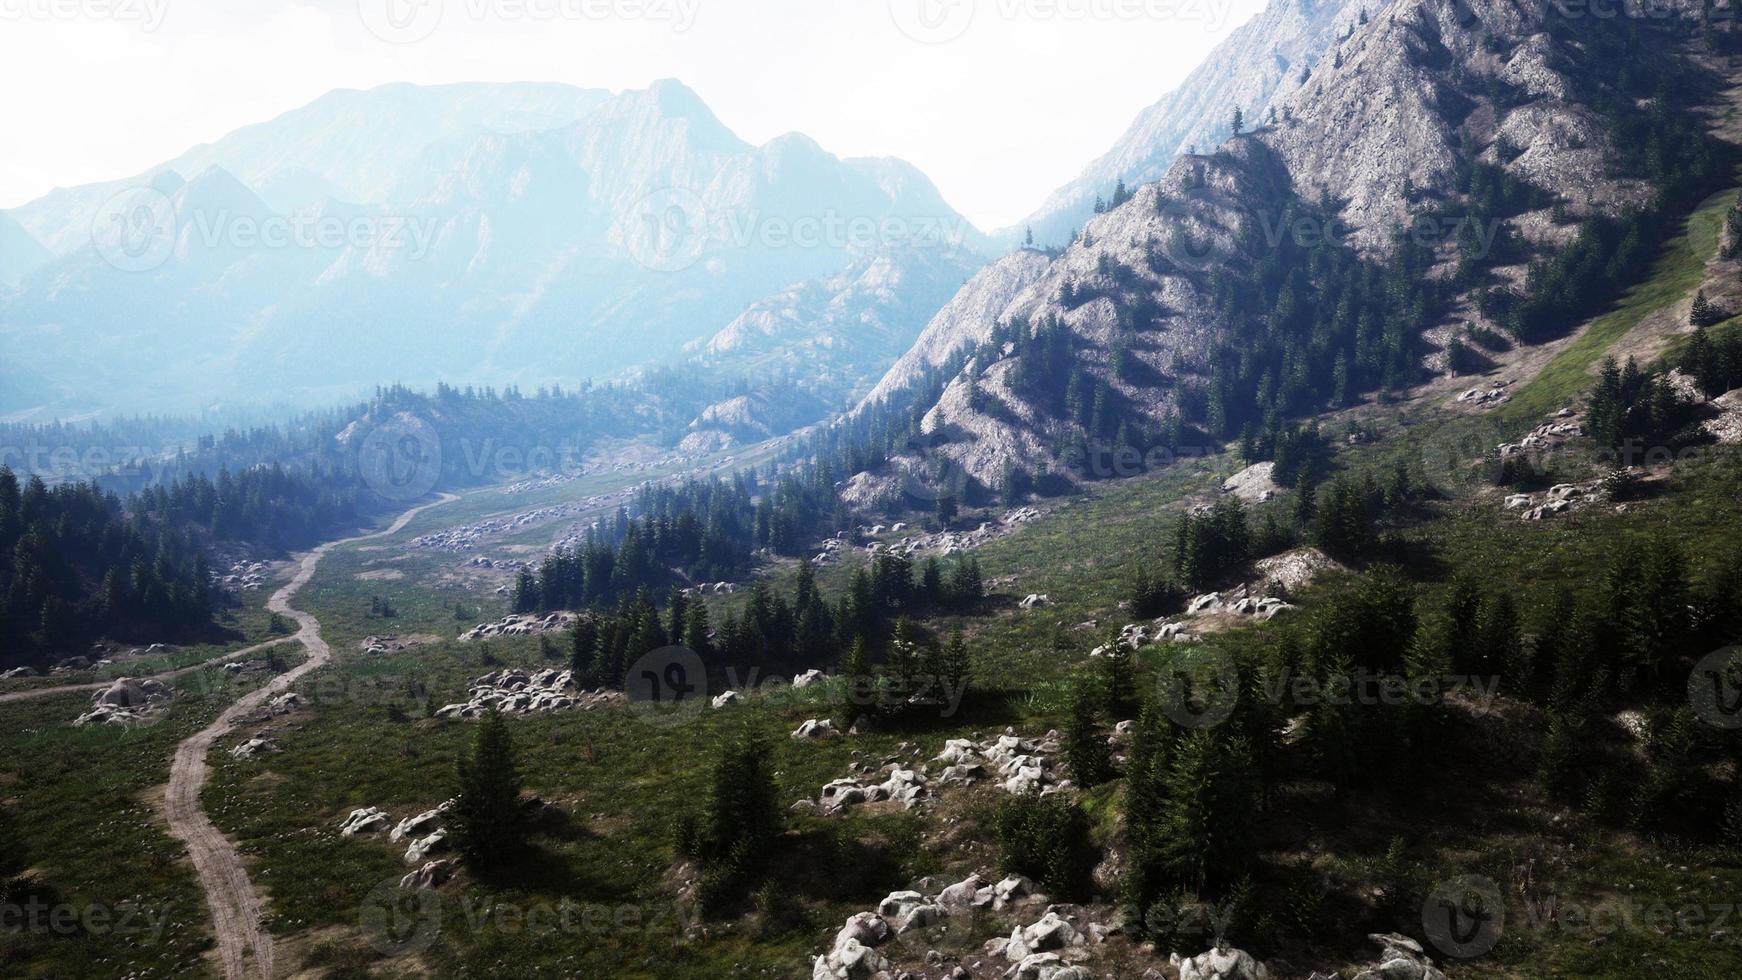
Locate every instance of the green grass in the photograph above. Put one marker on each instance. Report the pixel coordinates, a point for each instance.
(1674, 277)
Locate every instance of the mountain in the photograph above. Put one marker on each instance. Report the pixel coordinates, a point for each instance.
(1259, 65)
(965, 321)
(844, 330)
(1456, 163)
(383, 146)
(529, 257)
(20, 254)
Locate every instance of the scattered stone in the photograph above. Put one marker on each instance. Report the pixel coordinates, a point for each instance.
(127, 701)
(808, 678)
(727, 700)
(1219, 964)
(423, 824)
(436, 843)
(369, 820)
(253, 747)
(518, 625)
(816, 728)
(1400, 958)
(432, 875)
(1035, 601)
(527, 692)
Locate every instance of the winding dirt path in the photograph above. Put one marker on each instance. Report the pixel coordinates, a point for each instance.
(169, 675)
(236, 918)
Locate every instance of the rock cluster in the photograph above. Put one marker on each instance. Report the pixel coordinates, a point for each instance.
(253, 747)
(816, 728)
(1559, 500)
(519, 625)
(1400, 958)
(1136, 636)
(1219, 964)
(244, 576)
(376, 646)
(713, 588)
(17, 673)
(466, 537)
(1039, 949)
(368, 820)
(1550, 435)
(127, 701)
(1035, 601)
(1727, 427)
(1495, 394)
(1238, 602)
(1020, 766)
(523, 692)
(432, 875)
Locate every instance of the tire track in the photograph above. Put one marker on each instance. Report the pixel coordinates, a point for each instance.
(235, 905)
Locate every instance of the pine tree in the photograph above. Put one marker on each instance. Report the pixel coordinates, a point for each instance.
(696, 633)
(526, 594)
(1086, 751)
(1704, 314)
(957, 668)
(488, 819)
(737, 831)
(1209, 814)
(1239, 120)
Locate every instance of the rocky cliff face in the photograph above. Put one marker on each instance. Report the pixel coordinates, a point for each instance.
(965, 321)
(1385, 131)
(1260, 65)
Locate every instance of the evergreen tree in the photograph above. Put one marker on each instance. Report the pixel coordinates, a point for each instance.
(736, 833)
(488, 819)
(1086, 751)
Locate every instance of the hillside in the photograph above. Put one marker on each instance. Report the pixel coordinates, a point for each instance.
(1258, 67)
(1267, 280)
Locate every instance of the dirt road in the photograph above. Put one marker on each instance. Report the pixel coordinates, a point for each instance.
(235, 905)
(46, 692)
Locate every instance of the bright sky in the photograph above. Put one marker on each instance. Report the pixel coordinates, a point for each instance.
(999, 101)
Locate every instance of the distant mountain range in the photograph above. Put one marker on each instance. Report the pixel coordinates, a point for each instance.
(474, 233)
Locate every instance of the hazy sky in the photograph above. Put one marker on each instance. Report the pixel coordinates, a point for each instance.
(999, 101)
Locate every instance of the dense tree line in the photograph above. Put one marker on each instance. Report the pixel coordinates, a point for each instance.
(701, 531)
(77, 568)
(267, 506)
(800, 632)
